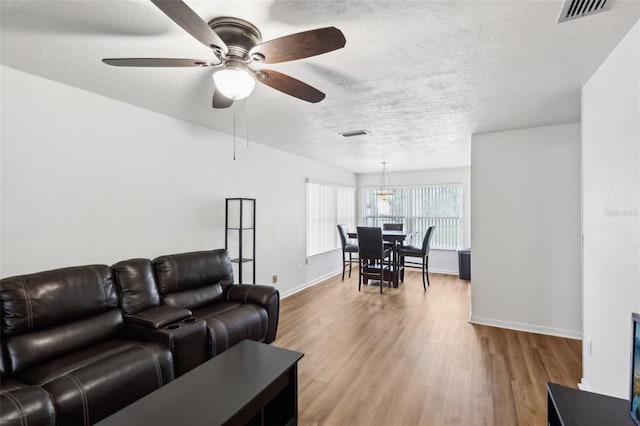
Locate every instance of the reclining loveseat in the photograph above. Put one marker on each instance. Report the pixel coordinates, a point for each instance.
(79, 343)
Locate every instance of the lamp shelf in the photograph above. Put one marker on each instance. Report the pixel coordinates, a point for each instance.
(243, 260)
(240, 237)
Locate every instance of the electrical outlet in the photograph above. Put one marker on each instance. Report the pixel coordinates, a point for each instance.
(274, 279)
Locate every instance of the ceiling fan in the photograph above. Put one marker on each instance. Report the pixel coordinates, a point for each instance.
(237, 44)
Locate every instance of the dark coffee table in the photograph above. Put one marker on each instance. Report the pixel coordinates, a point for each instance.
(251, 383)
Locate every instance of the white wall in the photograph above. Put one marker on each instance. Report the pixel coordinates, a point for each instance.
(443, 261)
(86, 179)
(611, 216)
(525, 227)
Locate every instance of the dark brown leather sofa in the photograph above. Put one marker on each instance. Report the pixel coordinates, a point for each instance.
(80, 343)
(199, 284)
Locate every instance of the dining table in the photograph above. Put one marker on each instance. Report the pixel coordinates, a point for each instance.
(397, 239)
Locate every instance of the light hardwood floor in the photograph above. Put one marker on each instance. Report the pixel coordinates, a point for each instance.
(409, 357)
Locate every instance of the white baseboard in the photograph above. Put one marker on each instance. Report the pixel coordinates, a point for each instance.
(583, 385)
(309, 284)
(531, 328)
(434, 271)
(443, 271)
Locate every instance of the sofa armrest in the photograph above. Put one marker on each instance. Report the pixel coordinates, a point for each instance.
(187, 340)
(158, 316)
(262, 295)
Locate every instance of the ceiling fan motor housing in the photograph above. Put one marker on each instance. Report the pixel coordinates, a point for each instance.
(239, 35)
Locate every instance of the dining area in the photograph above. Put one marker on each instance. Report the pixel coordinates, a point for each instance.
(381, 253)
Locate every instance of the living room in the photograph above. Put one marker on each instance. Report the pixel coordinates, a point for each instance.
(89, 177)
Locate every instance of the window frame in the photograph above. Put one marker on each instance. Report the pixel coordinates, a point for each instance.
(327, 239)
(410, 218)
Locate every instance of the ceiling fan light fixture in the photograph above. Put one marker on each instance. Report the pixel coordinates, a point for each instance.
(234, 83)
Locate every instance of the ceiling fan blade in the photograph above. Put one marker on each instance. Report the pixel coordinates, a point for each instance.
(220, 101)
(289, 85)
(158, 62)
(182, 15)
(300, 45)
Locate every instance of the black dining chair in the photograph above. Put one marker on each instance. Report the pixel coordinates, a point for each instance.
(422, 252)
(372, 254)
(391, 227)
(347, 247)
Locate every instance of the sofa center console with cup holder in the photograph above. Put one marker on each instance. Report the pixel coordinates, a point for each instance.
(185, 338)
(190, 334)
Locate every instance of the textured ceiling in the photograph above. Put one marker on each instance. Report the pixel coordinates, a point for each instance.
(420, 76)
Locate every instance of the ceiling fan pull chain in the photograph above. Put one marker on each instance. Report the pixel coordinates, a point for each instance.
(247, 122)
(234, 136)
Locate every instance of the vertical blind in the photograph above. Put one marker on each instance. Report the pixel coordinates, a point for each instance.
(327, 206)
(417, 209)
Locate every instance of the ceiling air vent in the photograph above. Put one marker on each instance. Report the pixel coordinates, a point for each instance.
(572, 9)
(354, 133)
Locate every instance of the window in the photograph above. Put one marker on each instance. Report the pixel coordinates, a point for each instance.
(327, 206)
(417, 209)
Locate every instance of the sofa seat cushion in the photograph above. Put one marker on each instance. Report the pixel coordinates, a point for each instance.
(229, 323)
(93, 383)
(25, 405)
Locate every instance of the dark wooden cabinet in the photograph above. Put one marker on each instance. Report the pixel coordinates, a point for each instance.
(240, 236)
(572, 407)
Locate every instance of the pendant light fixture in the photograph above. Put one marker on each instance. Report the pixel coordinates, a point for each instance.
(384, 190)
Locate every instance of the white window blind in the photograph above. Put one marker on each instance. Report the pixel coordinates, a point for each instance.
(327, 206)
(417, 209)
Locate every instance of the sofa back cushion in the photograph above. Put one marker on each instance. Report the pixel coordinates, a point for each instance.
(196, 298)
(30, 349)
(138, 289)
(36, 301)
(36, 305)
(192, 280)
